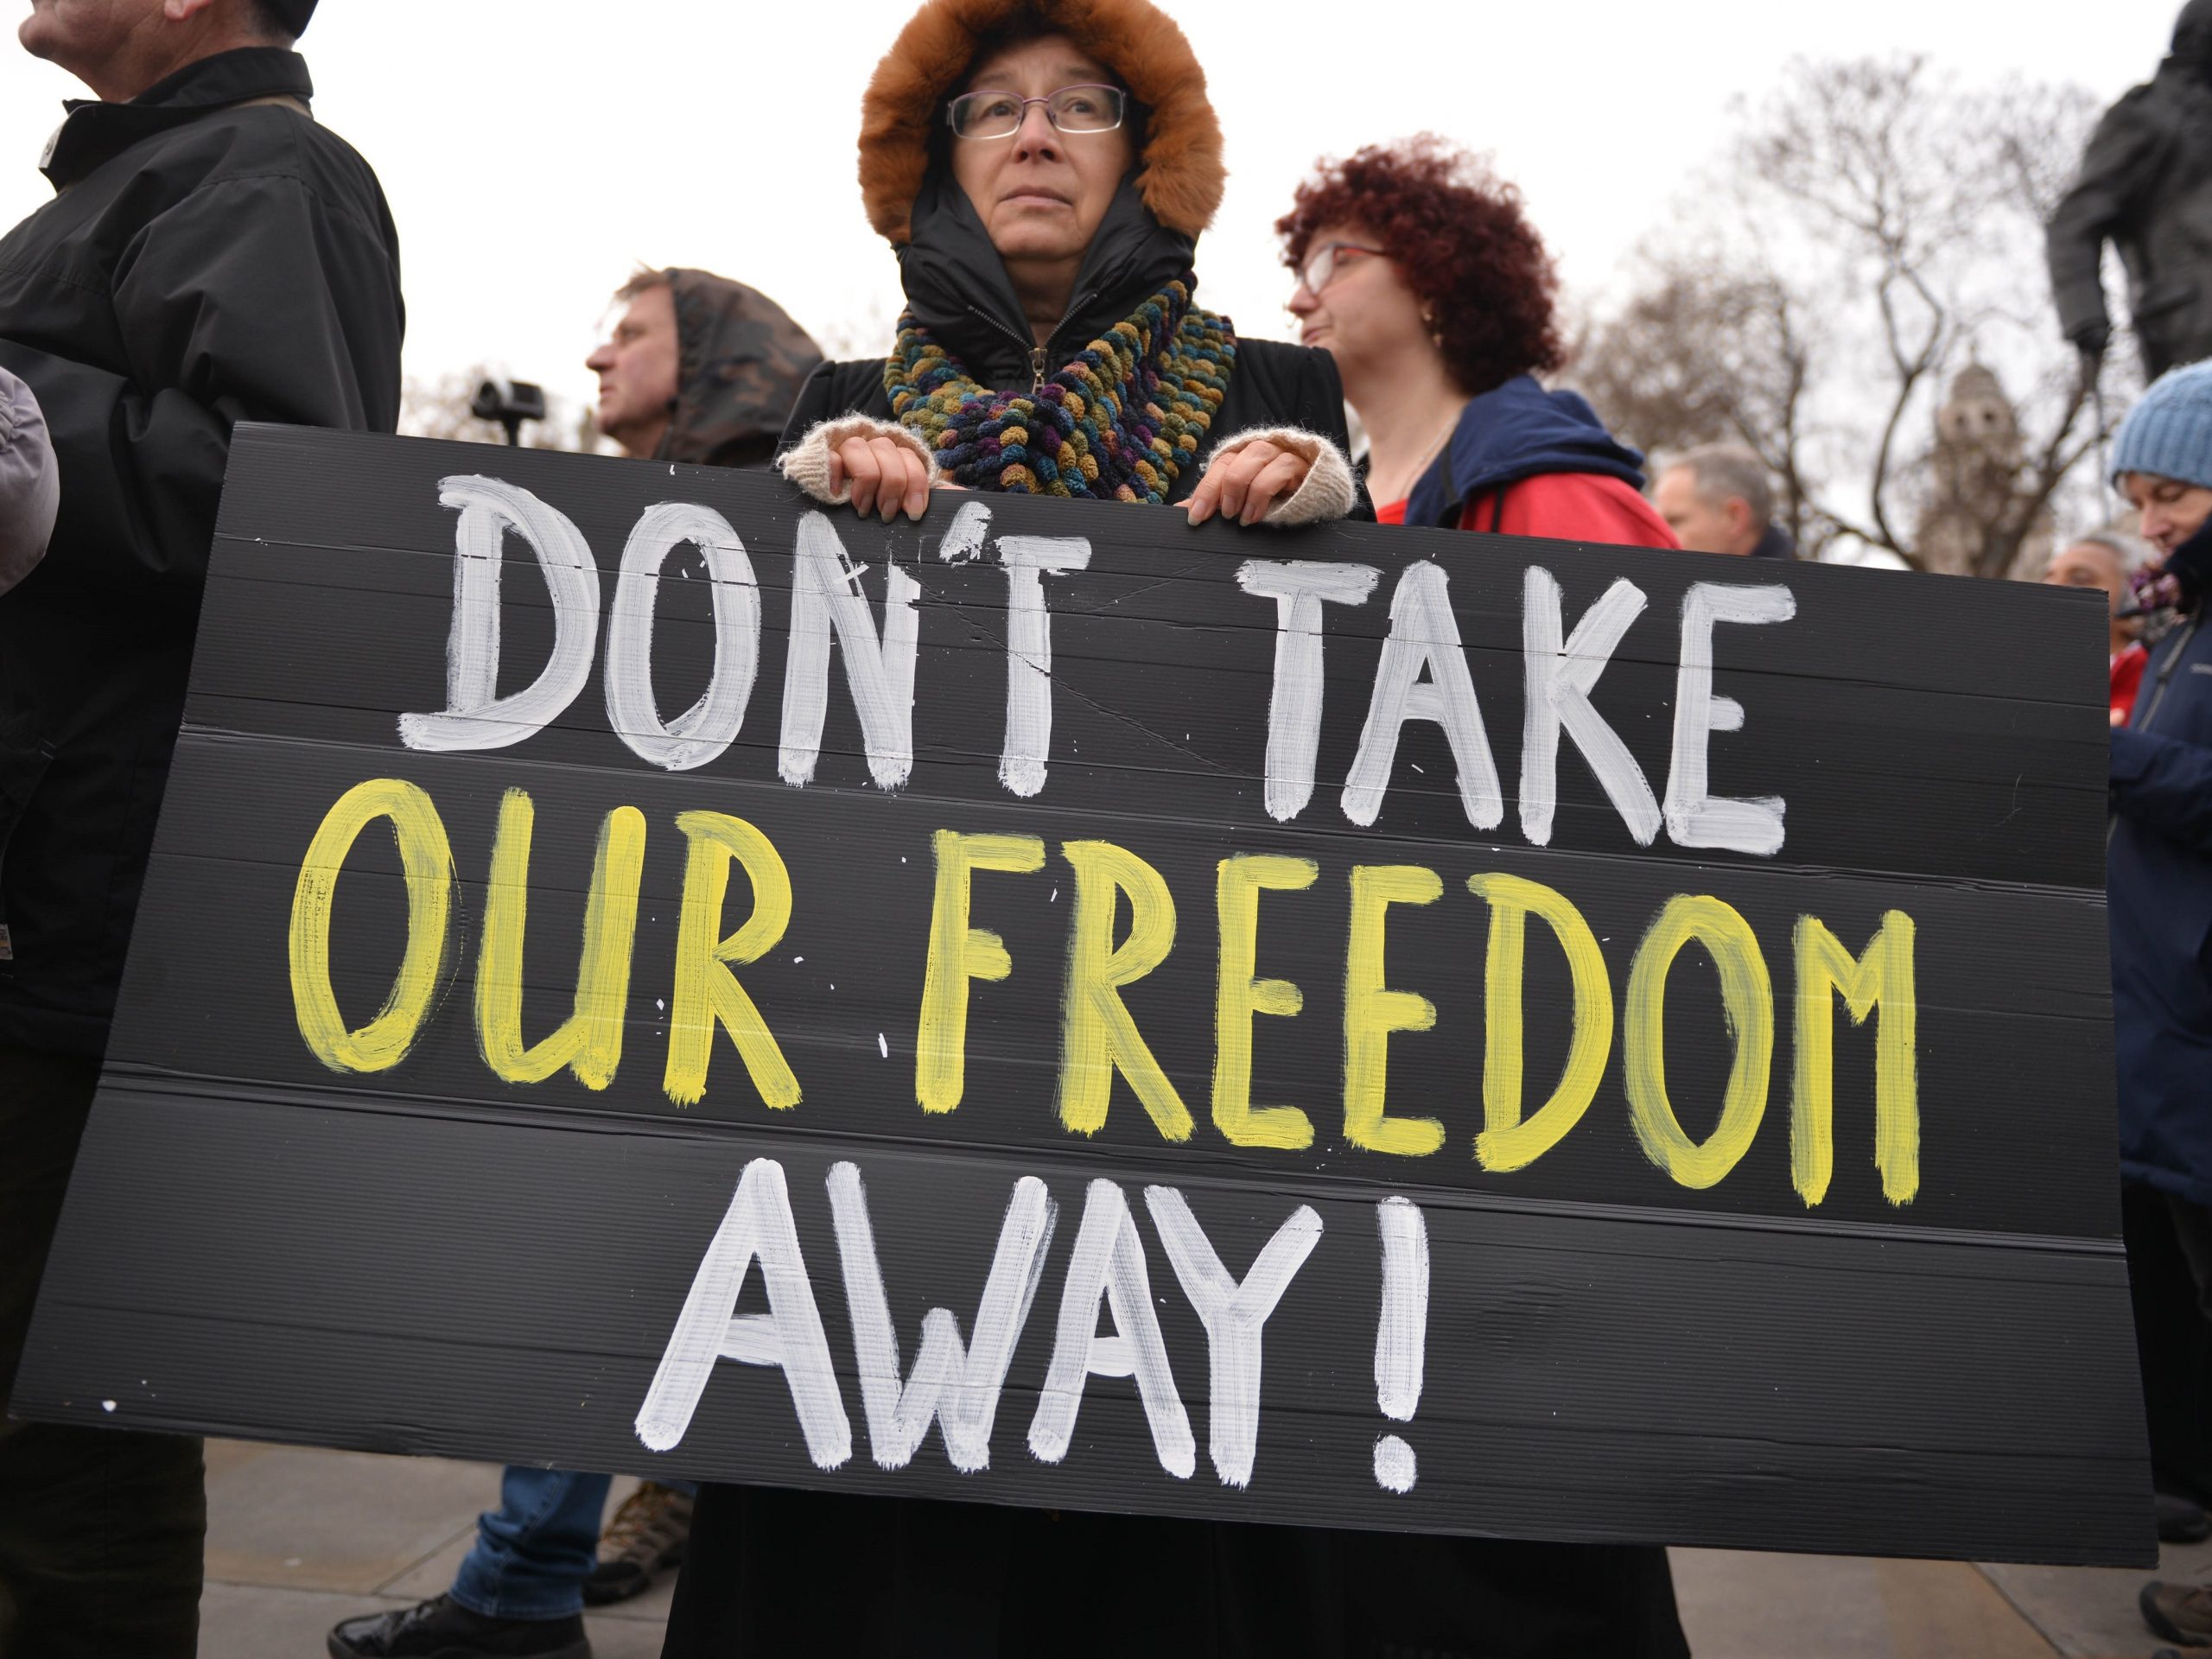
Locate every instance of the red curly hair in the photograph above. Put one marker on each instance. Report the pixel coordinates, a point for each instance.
(1459, 236)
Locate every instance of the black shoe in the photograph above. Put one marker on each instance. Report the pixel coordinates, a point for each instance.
(442, 1629)
(2181, 1521)
(2179, 1612)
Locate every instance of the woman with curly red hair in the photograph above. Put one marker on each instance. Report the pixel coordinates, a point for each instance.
(1423, 276)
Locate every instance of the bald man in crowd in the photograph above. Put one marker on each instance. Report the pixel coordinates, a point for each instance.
(1719, 499)
(211, 255)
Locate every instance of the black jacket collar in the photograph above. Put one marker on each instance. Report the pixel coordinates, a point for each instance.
(956, 286)
(1774, 543)
(93, 132)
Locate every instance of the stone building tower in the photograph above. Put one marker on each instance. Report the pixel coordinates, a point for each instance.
(1971, 476)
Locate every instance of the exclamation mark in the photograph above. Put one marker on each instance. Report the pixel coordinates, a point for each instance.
(1402, 1335)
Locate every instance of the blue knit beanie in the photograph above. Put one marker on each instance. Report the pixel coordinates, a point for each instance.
(2169, 432)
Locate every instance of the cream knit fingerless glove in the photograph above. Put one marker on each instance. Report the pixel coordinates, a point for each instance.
(806, 463)
(1327, 492)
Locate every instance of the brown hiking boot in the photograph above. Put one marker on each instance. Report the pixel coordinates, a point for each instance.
(2180, 1612)
(645, 1539)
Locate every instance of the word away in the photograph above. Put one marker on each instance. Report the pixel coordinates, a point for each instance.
(1421, 675)
(958, 1386)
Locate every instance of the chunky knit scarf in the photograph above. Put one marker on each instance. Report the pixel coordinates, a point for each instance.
(1118, 422)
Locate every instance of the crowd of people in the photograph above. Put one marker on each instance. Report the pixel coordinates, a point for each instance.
(1043, 171)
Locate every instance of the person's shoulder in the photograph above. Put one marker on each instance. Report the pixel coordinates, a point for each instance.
(2152, 104)
(1584, 506)
(1280, 360)
(1276, 383)
(833, 389)
(856, 383)
(274, 147)
(853, 386)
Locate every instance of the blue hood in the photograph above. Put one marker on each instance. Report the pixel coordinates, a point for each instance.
(1515, 431)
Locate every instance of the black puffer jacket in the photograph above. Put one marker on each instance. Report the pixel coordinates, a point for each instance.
(213, 256)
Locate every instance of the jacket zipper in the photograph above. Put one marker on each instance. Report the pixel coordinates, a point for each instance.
(1038, 355)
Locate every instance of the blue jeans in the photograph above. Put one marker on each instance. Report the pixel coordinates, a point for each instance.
(533, 1553)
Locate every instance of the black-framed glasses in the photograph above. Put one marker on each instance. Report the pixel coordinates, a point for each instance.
(1320, 267)
(1072, 109)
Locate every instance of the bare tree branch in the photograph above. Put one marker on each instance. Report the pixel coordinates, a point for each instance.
(1872, 229)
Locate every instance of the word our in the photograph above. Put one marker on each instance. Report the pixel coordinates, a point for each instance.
(1421, 673)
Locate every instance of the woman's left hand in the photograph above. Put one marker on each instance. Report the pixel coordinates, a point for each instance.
(1243, 483)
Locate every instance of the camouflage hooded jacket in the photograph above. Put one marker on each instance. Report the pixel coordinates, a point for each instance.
(740, 362)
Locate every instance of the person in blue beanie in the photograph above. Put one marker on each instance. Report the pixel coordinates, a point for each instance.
(2158, 866)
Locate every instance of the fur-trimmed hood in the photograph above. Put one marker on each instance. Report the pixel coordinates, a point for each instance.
(1181, 172)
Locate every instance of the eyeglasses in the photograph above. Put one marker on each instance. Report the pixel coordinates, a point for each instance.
(1320, 267)
(1072, 109)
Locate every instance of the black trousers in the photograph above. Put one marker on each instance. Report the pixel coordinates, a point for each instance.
(2173, 1338)
(101, 1530)
(2192, 1224)
(771, 1574)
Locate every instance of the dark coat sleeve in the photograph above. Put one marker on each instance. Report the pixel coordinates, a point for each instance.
(1273, 384)
(810, 408)
(2165, 784)
(1325, 399)
(854, 387)
(2122, 153)
(253, 299)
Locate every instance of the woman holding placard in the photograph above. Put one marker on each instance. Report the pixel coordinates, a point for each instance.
(1045, 191)
(1044, 170)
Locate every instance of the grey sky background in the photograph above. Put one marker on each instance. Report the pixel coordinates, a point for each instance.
(534, 153)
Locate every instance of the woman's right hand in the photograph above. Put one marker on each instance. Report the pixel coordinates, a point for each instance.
(885, 475)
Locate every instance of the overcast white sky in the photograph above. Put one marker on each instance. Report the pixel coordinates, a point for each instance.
(534, 151)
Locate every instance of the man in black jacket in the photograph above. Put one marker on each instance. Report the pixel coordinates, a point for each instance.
(212, 256)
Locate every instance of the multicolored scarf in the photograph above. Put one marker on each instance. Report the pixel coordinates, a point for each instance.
(1119, 422)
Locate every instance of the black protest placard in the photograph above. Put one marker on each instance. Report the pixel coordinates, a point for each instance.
(1045, 1005)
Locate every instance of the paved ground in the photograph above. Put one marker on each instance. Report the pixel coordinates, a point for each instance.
(298, 1539)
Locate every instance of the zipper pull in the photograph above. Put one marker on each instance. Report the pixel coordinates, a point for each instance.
(1036, 369)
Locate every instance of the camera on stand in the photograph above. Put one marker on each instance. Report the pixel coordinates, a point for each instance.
(510, 403)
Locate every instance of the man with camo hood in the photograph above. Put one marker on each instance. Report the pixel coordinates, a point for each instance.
(700, 369)
(2146, 185)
